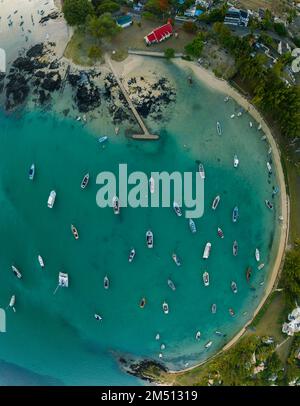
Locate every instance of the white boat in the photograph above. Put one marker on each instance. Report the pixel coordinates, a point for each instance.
(236, 161)
(214, 308)
(85, 181)
(31, 172)
(149, 239)
(220, 233)
(106, 282)
(177, 209)
(219, 129)
(12, 303)
(63, 281)
(192, 226)
(41, 261)
(239, 113)
(176, 259)
(269, 167)
(157, 337)
(234, 287)
(257, 255)
(226, 99)
(207, 345)
(215, 202)
(201, 170)
(116, 205)
(259, 127)
(269, 204)
(51, 199)
(97, 317)
(16, 272)
(206, 278)
(198, 335)
(74, 232)
(235, 248)
(171, 284)
(152, 184)
(142, 302)
(232, 116)
(260, 266)
(165, 307)
(250, 124)
(207, 250)
(131, 255)
(235, 214)
(103, 139)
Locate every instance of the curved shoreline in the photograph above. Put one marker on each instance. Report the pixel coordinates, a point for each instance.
(209, 79)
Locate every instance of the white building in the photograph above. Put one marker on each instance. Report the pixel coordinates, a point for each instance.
(294, 323)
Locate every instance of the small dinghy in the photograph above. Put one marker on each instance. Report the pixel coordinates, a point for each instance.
(103, 139)
(206, 278)
(236, 161)
(201, 170)
(85, 181)
(257, 255)
(219, 129)
(192, 226)
(235, 214)
(51, 199)
(177, 209)
(16, 272)
(176, 259)
(232, 116)
(142, 302)
(116, 205)
(215, 202)
(171, 284)
(208, 344)
(214, 308)
(165, 307)
(234, 287)
(198, 335)
(235, 248)
(260, 266)
(106, 282)
(97, 317)
(131, 255)
(157, 337)
(31, 172)
(220, 233)
(149, 239)
(207, 250)
(250, 124)
(74, 232)
(12, 303)
(269, 204)
(231, 311)
(41, 261)
(269, 167)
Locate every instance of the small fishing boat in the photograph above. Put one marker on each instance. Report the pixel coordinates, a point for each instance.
(51, 199)
(106, 282)
(171, 284)
(142, 302)
(207, 250)
(131, 255)
(219, 333)
(176, 259)
(208, 344)
(16, 272)
(78, 118)
(220, 233)
(31, 172)
(149, 239)
(260, 266)
(235, 248)
(85, 181)
(97, 317)
(201, 170)
(259, 127)
(117, 129)
(214, 308)
(198, 335)
(152, 184)
(248, 273)
(236, 161)
(269, 167)
(177, 209)
(231, 311)
(232, 116)
(192, 226)
(275, 190)
(103, 139)
(116, 205)
(226, 99)
(157, 337)
(165, 307)
(219, 129)
(12, 303)
(269, 204)
(206, 278)
(41, 261)
(257, 255)
(239, 113)
(270, 151)
(250, 124)
(215, 202)
(74, 232)
(234, 287)
(235, 214)
(63, 281)
(162, 347)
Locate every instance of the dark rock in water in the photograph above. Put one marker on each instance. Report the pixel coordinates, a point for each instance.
(54, 65)
(40, 74)
(87, 98)
(51, 16)
(2, 76)
(73, 79)
(35, 51)
(28, 65)
(52, 81)
(17, 91)
(44, 97)
(66, 112)
(140, 369)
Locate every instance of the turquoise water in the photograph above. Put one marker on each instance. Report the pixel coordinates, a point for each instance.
(55, 339)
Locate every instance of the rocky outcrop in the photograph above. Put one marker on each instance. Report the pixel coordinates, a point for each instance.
(88, 97)
(147, 370)
(17, 90)
(52, 81)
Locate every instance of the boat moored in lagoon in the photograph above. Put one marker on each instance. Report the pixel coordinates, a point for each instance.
(106, 282)
(149, 239)
(74, 232)
(103, 139)
(260, 266)
(208, 344)
(198, 335)
(206, 278)
(171, 284)
(207, 250)
(31, 172)
(63, 281)
(177, 209)
(142, 302)
(85, 181)
(269, 204)
(220, 233)
(97, 317)
(248, 273)
(214, 308)
(192, 226)
(215, 202)
(231, 311)
(269, 167)
(235, 214)
(176, 259)
(116, 205)
(165, 307)
(235, 248)
(131, 255)
(234, 287)
(257, 255)
(12, 302)
(201, 170)
(236, 161)
(16, 272)
(41, 261)
(51, 199)
(219, 128)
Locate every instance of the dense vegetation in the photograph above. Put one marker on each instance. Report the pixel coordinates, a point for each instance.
(291, 276)
(76, 11)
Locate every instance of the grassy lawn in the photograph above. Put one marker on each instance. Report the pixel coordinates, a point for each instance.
(78, 47)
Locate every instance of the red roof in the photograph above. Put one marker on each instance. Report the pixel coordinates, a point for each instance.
(160, 33)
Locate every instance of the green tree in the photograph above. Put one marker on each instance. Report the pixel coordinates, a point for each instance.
(169, 53)
(94, 52)
(280, 29)
(76, 11)
(291, 276)
(107, 6)
(190, 27)
(195, 47)
(103, 26)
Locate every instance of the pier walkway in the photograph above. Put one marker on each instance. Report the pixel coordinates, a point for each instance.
(146, 135)
(157, 54)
